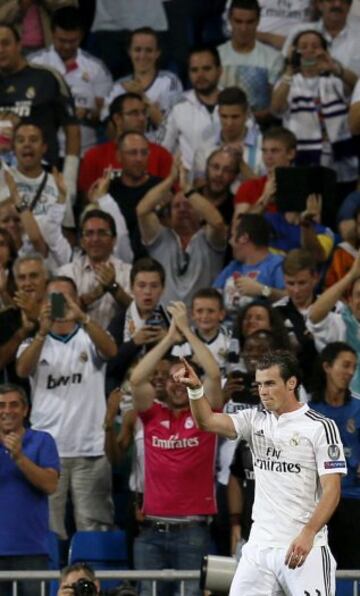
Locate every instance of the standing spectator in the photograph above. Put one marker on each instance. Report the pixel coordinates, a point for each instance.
(43, 95)
(249, 63)
(40, 198)
(102, 280)
(192, 254)
(332, 397)
(112, 25)
(66, 363)
(195, 119)
(32, 19)
(29, 472)
(312, 101)
(128, 113)
(343, 324)
(340, 32)
(298, 465)
(160, 89)
(178, 460)
(19, 321)
(255, 271)
(238, 132)
(88, 78)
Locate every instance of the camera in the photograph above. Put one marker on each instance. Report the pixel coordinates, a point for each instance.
(295, 59)
(84, 587)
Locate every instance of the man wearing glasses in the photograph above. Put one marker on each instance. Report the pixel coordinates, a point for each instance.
(102, 280)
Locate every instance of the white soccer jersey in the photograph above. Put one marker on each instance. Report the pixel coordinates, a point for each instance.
(290, 452)
(68, 395)
(49, 215)
(219, 347)
(88, 79)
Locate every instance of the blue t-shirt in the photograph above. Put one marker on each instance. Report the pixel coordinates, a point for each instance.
(24, 510)
(347, 418)
(288, 236)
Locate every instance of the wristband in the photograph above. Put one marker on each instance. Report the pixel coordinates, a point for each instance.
(197, 393)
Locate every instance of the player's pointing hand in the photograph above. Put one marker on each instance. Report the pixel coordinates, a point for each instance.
(187, 376)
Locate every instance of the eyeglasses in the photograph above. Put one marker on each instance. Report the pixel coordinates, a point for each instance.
(100, 233)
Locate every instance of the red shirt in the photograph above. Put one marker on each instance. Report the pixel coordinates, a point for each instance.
(179, 464)
(251, 190)
(100, 157)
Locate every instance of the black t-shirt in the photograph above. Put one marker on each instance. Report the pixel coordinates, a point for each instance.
(41, 94)
(10, 322)
(127, 198)
(242, 468)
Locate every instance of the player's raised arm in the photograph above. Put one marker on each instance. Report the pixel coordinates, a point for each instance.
(203, 415)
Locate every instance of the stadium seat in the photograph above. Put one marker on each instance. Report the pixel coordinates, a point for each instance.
(101, 550)
(54, 560)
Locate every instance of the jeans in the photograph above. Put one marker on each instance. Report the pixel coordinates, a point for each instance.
(175, 549)
(22, 563)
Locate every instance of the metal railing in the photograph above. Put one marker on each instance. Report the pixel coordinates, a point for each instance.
(153, 576)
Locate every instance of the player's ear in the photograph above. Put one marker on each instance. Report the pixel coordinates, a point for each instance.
(292, 383)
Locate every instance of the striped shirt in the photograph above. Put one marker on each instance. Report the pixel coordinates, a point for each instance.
(290, 453)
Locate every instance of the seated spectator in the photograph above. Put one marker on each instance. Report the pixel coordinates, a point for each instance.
(195, 119)
(255, 271)
(127, 113)
(301, 279)
(32, 19)
(192, 254)
(135, 329)
(340, 32)
(160, 89)
(29, 473)
(66, 362)
(311, 98)
(345, 252)
(238, 132)
(20, 320)
(343, 324)
(332, 397)
(178, 460)
(8, 254)
(354, 111)
(258, 194)
(102, 280)
(249, 63)
(71, 574)
(87, 77)
(39, 199)
(207, 313)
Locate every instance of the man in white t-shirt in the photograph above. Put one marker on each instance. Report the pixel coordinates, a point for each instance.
(298, 462)
(65, 363)
(87, 77)
(249, 63)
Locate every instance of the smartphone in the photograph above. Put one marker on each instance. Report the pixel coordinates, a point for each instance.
(295, 59)
(159, 318)
(57, 301)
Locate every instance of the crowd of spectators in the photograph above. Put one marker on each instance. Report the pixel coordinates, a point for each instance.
(143, 220)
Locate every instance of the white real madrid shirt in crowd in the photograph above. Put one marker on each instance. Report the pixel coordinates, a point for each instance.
(84, 275)
(67, 393)
(290, 453)
(49, 215)
(88, 79)
(218, 346)
(165, 90)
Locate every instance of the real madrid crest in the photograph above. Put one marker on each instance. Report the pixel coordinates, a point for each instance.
(83, 357)
(295, 440)
(30, 93)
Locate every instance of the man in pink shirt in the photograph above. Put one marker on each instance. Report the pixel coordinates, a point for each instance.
(179, 491)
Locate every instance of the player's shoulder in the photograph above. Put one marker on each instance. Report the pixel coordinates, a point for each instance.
(47, 73)
(317, 422)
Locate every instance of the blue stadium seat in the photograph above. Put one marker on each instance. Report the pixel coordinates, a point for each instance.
(101, 550)
(54, 560)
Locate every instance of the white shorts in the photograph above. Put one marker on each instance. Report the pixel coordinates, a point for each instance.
(262, 572)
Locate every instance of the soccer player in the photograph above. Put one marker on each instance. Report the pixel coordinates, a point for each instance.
(298, 461)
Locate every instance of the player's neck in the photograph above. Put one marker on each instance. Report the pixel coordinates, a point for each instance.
(32, 172)
(208, 335)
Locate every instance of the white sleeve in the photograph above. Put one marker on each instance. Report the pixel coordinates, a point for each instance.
(51, 230)
(123, 248)
(243, 423)
(329, 451)
(356, 94)
(169, 133)
(331, 328)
